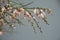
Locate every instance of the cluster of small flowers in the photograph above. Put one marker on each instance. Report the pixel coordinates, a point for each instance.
(41, 13)
(13, 13)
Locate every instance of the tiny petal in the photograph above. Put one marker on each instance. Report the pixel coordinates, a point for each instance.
(42, 15)
(27, 13)
(35, 11)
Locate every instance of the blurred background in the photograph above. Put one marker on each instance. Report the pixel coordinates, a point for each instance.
(50, 32)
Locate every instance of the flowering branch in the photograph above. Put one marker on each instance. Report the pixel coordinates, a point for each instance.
(10, 15)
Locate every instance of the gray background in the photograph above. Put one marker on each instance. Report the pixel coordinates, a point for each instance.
(50, 32)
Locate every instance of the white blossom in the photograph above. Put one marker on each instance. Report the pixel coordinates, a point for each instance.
(13, 26)
(3, 9)
(36, 11)
(16, 13)
(1, 33)
(42, 12)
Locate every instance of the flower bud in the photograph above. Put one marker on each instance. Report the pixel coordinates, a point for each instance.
(48, 10)
(1, 32)
(22, 9)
